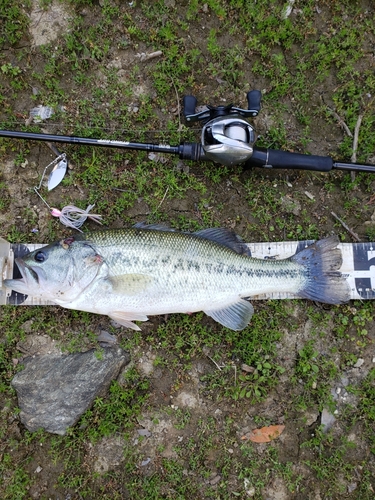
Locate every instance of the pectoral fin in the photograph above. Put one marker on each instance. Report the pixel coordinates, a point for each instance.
(127, 318)
(235, 316)
(130, 284)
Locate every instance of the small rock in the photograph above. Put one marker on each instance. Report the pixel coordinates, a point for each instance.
(215, 480)
(144, 432)
(106, 337)
(328, 419)
(310, 417)
(247, 368)
(359, 363)
(352, 487)
(249, 490)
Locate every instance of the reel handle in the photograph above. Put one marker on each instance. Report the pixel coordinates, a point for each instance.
(189, 103)
(253, 101)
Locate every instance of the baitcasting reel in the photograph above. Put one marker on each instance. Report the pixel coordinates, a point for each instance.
(227, 138)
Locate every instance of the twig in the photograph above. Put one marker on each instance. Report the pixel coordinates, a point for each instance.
(355, 235)
(355, 140)
(146, 57)
(355, 145)
(340, 121)
(165, 194)
(178, 108)
(214, 362)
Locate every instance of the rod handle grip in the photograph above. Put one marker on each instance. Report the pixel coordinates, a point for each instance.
(272, 158)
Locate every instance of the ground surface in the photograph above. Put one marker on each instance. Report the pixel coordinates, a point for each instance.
(175, 425)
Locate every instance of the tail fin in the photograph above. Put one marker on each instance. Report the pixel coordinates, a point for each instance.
(325, 283)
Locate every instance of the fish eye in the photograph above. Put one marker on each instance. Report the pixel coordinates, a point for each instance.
(40, 257)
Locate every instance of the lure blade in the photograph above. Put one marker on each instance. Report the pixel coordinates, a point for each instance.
(57, 174)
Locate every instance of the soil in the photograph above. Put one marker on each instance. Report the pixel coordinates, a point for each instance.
(232, 203)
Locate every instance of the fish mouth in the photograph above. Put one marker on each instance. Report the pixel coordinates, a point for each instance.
(25, 269)
(30, 278)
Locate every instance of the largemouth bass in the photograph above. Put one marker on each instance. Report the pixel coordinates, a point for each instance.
(129, 274)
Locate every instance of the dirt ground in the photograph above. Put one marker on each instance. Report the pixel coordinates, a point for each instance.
(188, 435)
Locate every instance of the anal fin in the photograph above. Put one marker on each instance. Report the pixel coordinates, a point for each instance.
(235, 316)
(126, 319)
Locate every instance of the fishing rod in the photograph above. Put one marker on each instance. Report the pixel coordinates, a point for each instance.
(227, 138)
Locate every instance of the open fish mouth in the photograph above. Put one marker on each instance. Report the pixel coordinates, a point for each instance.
(30, 277)
(25, 269)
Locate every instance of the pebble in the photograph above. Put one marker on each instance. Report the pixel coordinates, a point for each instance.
(250, 490)
(352, 487)
(309, 195)
(359, 363)
(327, 419)
(247, 368)
(144, 432)
(106, 337)
(215, 480)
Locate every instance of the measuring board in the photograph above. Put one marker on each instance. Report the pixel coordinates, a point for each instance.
(358, 268)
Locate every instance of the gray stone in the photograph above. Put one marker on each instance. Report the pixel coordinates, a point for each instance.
(359, 363)
(55, 390)
(327, 419)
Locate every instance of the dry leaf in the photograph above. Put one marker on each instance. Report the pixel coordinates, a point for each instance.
(265, 434)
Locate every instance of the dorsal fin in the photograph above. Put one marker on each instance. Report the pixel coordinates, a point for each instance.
(225, 237)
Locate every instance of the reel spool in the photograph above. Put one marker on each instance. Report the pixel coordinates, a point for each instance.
(228, 141)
